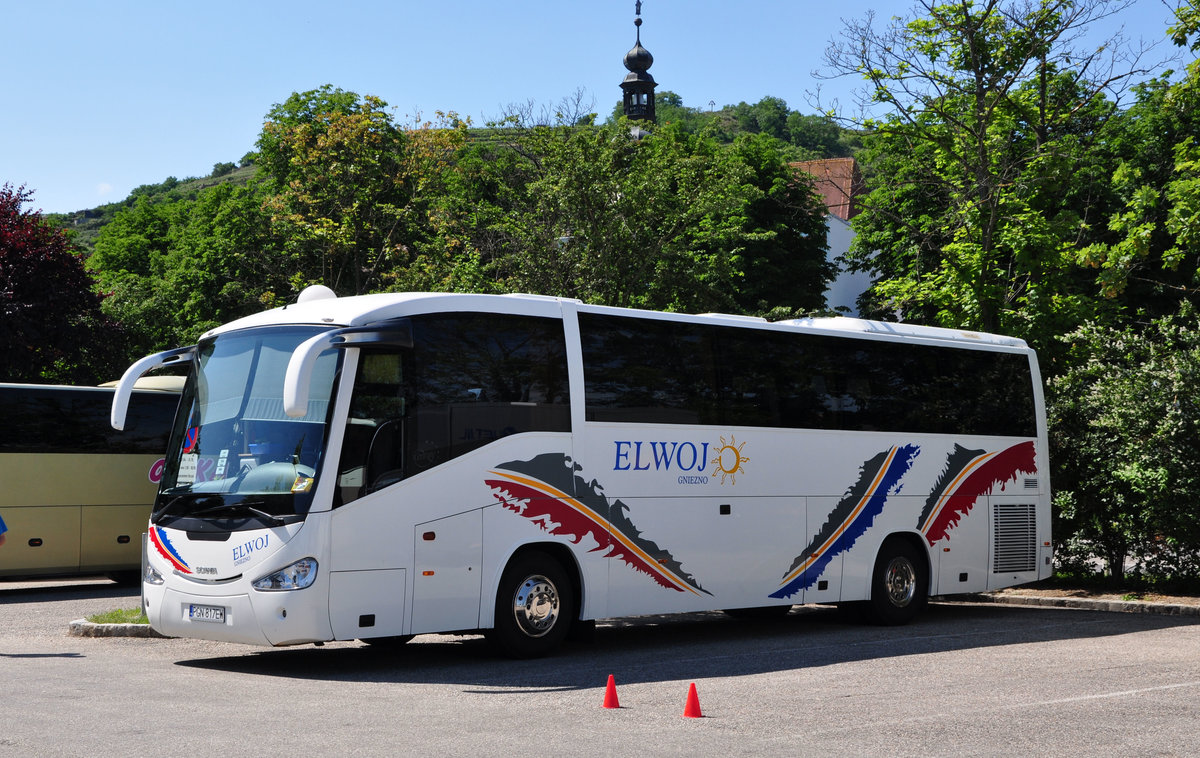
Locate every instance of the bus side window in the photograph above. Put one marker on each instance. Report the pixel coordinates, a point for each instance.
(373, 445)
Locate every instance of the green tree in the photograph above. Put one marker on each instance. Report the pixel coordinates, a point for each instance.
(813, 136)
(612, 220)
(350, 186)
(348, 198)
(673, 221)
(224, 261)
(1125, 439)
(979, 176)
(1151, 254)
(784, 263)
(309, 109)
(51, 326)
(129, 262)
(1186, 30)
(818, 136)
(178, 268)
(770, 116)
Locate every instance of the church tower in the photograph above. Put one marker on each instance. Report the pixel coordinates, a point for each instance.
(639, 84)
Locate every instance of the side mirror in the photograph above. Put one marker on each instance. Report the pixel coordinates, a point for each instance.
(298, 380)
(120, 406)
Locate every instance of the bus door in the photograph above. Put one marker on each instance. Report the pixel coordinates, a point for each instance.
(371, 541)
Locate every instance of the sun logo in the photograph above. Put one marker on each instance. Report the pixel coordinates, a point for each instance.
(729, 459)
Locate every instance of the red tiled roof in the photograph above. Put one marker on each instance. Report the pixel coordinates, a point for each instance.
(838, 181)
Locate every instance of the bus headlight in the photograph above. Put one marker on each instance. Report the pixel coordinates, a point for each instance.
(151, 575)
(297, 576)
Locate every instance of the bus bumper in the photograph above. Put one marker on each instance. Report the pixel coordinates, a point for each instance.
(257, 618)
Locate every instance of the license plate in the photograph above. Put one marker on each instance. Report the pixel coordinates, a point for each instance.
(213, 613)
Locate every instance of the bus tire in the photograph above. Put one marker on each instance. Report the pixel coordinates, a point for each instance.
(534, 605)
(899, 584)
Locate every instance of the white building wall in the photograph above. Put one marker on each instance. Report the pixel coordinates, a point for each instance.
(844, 290)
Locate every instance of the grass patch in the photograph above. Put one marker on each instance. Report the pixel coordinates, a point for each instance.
(120, 616)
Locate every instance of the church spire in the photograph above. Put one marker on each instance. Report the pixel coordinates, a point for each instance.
(639, 84)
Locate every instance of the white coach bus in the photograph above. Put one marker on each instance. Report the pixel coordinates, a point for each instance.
(381, 466)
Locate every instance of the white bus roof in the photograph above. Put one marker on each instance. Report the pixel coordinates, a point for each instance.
(865, 326)
(324, 308)
(368, 309)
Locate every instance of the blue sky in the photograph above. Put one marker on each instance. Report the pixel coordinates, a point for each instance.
(101, 97)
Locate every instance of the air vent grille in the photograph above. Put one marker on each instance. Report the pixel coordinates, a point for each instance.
(1016, 538)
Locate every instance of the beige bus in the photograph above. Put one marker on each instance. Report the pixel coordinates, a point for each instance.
(75, 493)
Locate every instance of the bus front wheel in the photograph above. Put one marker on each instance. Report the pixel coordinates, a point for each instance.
(899, 584)
(534, 605)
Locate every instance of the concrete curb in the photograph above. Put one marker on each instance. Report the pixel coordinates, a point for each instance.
(83, 628)
(1087, 604)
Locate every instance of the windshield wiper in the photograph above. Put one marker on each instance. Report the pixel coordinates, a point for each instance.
(268, 517)
(183, 498)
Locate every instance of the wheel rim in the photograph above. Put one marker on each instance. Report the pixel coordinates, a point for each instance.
(536, 606)
(901, 582)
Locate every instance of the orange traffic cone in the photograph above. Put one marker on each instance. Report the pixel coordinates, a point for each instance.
(610, 694)
(692, 709)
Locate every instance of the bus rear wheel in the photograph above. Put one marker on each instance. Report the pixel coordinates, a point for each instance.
(534, 606)
(899, 584)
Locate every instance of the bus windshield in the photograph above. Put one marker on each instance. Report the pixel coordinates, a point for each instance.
(235, 457)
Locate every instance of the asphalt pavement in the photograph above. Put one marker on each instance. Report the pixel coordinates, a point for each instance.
(965, 679)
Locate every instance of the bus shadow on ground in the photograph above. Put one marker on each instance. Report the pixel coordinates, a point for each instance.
(686, 646)
(56, 590)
